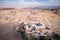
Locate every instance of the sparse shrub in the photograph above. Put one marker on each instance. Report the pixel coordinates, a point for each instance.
(56, 36)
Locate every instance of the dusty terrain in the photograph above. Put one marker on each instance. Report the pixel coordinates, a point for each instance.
(10, 19)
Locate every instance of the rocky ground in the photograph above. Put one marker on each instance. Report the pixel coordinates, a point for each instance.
(10, 19)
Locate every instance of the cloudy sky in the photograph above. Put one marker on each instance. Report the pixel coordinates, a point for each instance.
(28, 3)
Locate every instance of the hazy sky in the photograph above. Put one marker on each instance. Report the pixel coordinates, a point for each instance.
(28, 3)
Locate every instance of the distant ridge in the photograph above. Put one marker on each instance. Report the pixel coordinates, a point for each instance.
(37, 7)
(7, 8)
(44, 7)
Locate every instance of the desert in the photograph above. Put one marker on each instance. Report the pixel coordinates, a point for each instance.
(10, 19)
